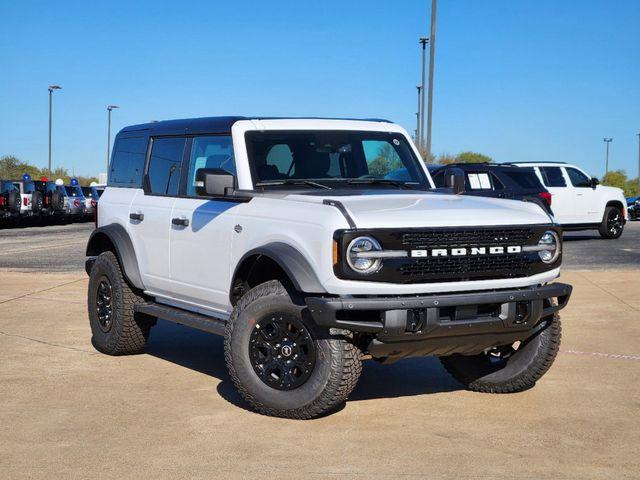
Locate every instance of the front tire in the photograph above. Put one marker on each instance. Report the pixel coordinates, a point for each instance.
(612, 223)
(117, 329)
(508, 369)
(281, 363)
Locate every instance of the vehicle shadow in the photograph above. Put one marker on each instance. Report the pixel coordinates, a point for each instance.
(579, 238)
(203, 352)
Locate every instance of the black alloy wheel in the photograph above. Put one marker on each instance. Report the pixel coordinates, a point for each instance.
(614, 222)
(282, 352)
(104, 304)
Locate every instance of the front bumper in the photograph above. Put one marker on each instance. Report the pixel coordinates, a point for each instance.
(465, 323)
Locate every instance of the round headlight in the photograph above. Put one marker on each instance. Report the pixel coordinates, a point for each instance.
(551, 240)
(357, 257)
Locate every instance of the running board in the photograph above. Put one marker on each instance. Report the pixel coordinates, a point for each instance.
(183, 317)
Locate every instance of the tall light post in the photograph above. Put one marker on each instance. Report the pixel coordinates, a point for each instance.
(432, 51)
(607, 141)
(109, 109)
(421, 89)
(638, 164)
(51, 89)
(418, 140)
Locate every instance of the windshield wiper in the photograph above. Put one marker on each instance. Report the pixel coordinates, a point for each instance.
(292, 181)
(380, 181)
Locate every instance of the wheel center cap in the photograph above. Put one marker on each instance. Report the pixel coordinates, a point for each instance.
(286, 350)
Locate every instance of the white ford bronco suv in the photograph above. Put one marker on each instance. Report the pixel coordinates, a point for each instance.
(309, 243)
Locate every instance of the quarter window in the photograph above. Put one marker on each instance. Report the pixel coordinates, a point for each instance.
(552, 177)
(210, 152)
(164, 165)
(127, 163)
(479, 181)
(578, 179)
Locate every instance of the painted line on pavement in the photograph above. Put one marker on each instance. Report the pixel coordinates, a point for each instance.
(604, 355)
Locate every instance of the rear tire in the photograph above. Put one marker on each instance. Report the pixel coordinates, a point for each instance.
(519, 371)
(116, 327)
(612, 223)
(267, 383)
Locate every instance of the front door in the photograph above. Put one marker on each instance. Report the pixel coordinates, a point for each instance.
(201, 238)
(586, 196)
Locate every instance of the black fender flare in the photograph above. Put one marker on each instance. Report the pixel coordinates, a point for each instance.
(117, 236)
(292, 262)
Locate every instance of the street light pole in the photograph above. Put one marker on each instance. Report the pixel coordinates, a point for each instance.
(607, 141)
(109, 108)
(432, 45)
(638, 164)
(51, 89)
(421, 90)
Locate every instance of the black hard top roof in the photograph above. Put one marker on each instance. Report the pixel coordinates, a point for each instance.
(213, 124)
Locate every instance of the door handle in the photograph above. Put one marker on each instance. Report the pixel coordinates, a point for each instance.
(136, 216)
(183, 222)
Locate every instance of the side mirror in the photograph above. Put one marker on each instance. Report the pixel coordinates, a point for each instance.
(594, 182)
(212, 182)
(454, 179)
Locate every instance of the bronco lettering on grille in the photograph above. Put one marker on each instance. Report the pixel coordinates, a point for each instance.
(463, 251)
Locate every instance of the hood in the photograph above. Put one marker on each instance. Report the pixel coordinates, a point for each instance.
(414, 210)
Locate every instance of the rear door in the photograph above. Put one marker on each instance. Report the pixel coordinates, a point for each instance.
(201, 245)
(567, 209)
(150, 212)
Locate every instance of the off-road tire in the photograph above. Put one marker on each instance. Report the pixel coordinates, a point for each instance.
(522, 370)
(604, 229)
(336, 372)
(37, 202)
(57, 200)
(129, 330)
(14, 201)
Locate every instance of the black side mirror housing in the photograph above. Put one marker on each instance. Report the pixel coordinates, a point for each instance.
(214, 182)
(594, 182)
(454, 179)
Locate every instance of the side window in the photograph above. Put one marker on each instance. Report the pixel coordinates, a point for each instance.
(578, 179)
(479, 181)
(164, 165)
(127, 163)
(552, 177)
(209, 152)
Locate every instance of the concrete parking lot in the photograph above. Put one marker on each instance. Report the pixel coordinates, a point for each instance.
(67, 411)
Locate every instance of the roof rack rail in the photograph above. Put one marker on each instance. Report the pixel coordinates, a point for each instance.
(517, 163)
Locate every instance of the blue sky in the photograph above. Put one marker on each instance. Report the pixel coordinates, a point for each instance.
(517, 80)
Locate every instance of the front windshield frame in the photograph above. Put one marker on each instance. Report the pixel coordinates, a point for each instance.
(414, 175)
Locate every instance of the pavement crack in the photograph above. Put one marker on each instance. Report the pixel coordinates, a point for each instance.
(608, 292)
(47, 343)
(40, 291)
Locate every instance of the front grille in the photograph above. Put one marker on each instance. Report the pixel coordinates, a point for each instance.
(465, 237)
(451, 268)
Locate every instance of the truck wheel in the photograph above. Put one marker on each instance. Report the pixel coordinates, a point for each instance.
(612, 223)
(116, 328)
(281, 363)
(510, 368)
(36, 202)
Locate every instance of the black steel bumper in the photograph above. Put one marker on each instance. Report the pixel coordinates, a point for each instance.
(464, 323)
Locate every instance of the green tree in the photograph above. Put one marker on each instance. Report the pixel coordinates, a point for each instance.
(12, 168)
(473, 157)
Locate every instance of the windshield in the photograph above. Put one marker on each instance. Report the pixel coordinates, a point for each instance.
(333, 158)
(28, 187)
(73, 191)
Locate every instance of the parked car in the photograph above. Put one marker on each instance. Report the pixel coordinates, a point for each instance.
(633, 207)
(76, 200)
(498, 181)
(579, 201)
(26, 188)
(10, 201)
(51, 200)
(91, 195)
(286, 237)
